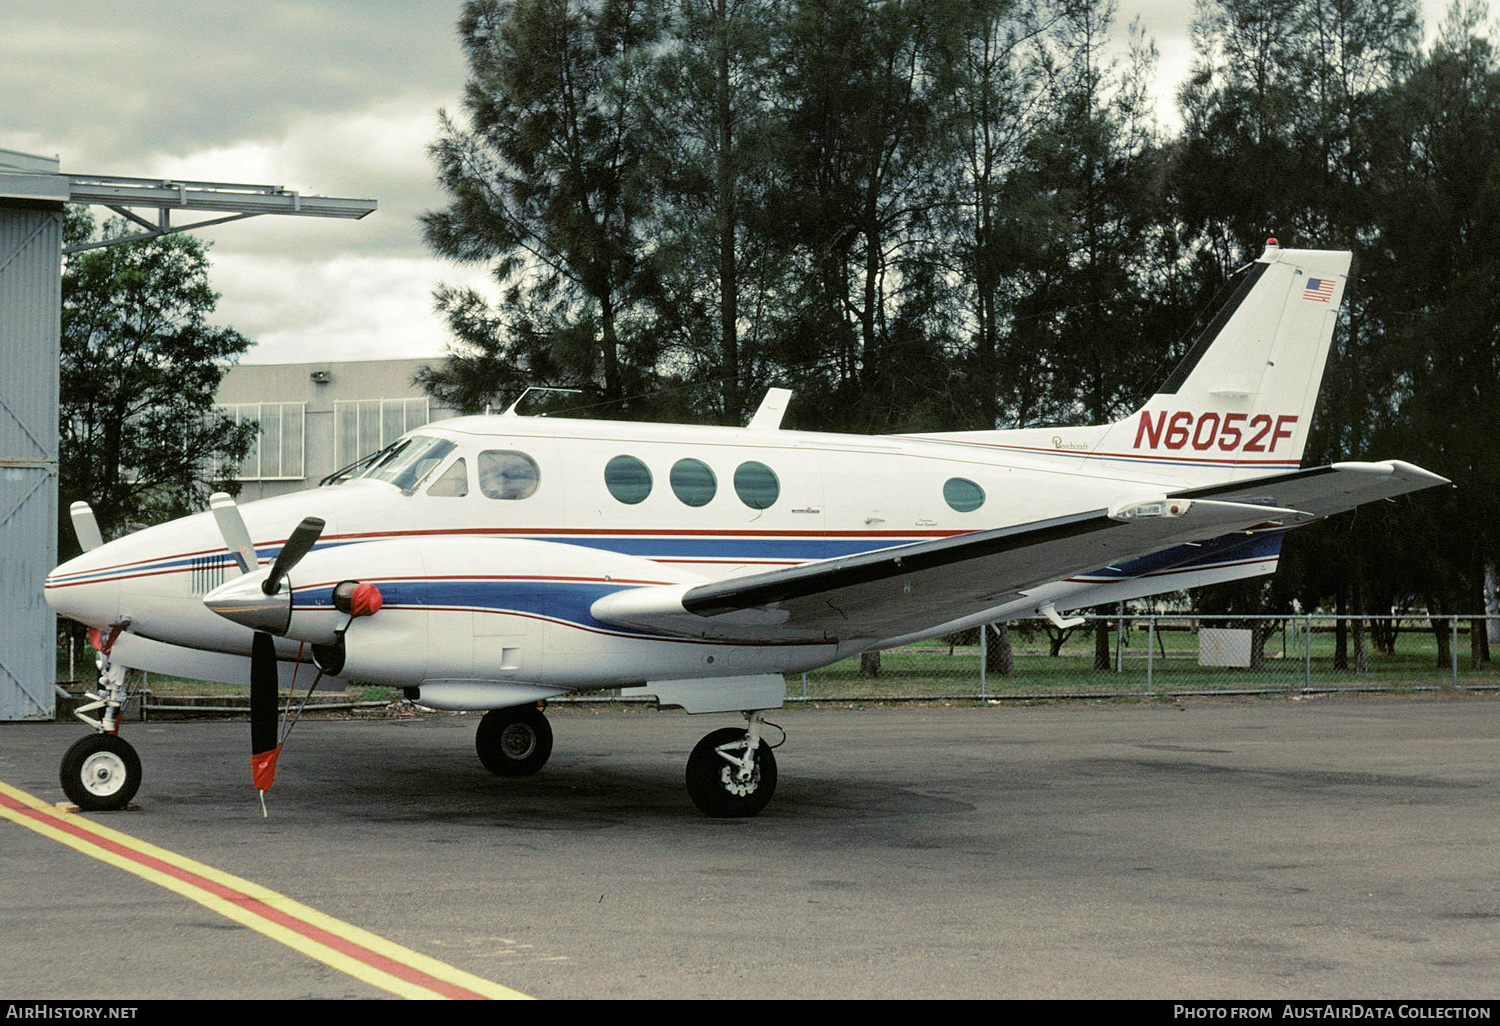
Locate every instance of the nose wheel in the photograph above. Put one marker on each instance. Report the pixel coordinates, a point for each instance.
(100, 773)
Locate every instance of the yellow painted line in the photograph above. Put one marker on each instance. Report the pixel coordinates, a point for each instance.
(343, 946)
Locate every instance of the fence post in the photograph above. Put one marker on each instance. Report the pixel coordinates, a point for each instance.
(1307, 649)
(984, 656)
(1150, 649)
(1453, 650)
(1120, 640)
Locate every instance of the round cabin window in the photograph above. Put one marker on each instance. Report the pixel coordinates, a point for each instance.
(628, 479)
(756, 485)
(963, 495)
(693, 482)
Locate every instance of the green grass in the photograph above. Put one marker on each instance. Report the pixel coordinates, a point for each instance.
(936, 670)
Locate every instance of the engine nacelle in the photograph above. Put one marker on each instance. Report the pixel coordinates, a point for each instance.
(444, 608)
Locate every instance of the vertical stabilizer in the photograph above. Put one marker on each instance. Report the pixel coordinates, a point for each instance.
(1241, 402)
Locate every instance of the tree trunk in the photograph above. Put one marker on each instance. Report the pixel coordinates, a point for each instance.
(1361, 655)
(728, 267)
(1491, 606)
(999, 654)
(869, 665)
(1102, 660)
(1257, 646)
(1341, 630)
(1441, 629)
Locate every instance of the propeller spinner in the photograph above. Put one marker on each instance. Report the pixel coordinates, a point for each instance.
(262, 604)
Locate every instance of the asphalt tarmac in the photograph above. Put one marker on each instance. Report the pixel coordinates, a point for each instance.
(1324, 849)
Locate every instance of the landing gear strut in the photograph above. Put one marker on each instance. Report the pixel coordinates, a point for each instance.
(732, 772)
(514, 742)
(101, 772)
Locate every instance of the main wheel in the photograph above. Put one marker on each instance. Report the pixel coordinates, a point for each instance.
(100, 772)
(514, 742)
(712, 782)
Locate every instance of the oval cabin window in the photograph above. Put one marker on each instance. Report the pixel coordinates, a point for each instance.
(756, 485)
(507, 475)
(963, 495)
(693, 482)
(628, 479)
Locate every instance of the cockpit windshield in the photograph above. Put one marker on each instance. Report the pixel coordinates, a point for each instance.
(405, 464)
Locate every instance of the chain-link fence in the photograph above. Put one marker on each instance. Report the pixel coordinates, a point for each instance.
(1128, 655)
(1135, 655)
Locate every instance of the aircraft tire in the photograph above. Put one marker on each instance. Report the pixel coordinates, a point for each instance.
(711, 783)
(514, 742)
(100, 773)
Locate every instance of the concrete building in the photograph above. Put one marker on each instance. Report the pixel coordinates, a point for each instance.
(318, 417)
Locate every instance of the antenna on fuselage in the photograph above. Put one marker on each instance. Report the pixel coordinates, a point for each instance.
(772, 409)
(511, 410)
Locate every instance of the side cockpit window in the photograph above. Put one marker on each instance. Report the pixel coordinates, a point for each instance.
(454, 482)
(406, 464)
(507, 474)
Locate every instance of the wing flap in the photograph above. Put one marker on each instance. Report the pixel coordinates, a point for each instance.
(900, 590)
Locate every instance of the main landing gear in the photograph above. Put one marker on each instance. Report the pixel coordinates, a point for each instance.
(732, 772)
(514, 742)
(101, 772)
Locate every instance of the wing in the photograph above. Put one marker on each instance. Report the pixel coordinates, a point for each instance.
(1324, 490)
(900, 590)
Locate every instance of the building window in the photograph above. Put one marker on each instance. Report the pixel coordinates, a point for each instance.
(363, 426)
(628, 479)
(278, 452)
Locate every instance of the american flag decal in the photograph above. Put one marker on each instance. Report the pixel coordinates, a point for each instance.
(1319, 290)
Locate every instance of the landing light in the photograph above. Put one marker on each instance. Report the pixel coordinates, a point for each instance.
(1154, 508)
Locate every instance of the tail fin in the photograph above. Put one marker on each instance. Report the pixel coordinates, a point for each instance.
(1240, 404)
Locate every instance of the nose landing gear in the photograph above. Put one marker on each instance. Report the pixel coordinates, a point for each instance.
(101, 772)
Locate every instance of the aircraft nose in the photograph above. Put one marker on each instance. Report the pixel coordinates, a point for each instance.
(245, 602)
(82, 589)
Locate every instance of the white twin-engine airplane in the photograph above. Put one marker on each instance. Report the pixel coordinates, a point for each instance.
(492, 563)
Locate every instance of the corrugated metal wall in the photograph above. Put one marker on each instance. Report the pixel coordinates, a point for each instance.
(30, 305)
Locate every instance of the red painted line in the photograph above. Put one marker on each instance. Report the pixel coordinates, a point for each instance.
(250, 904)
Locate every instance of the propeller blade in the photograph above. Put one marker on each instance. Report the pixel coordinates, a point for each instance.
(85, 526)
(303, 538)
(232, 529)
(264, 687)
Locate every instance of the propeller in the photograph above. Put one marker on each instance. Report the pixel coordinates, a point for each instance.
(232, 529)
(265, 682)
(85, 526)
(303, 538)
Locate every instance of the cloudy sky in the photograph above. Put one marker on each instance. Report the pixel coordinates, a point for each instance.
(328, 97)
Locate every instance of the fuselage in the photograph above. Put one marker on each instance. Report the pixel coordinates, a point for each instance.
(603, 506)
